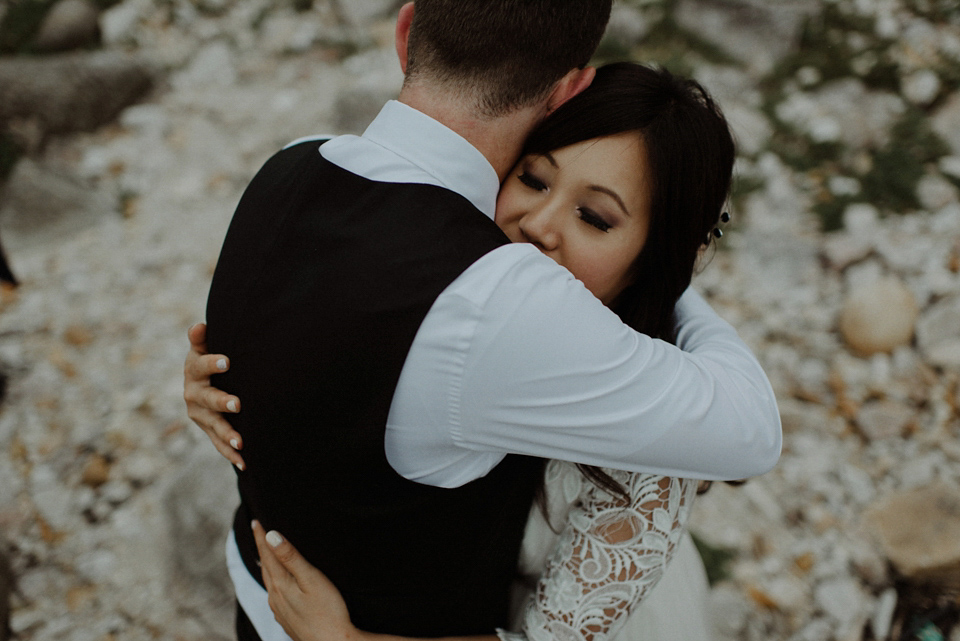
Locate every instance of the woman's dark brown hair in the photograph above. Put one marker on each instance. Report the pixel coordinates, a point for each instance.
(690, 155)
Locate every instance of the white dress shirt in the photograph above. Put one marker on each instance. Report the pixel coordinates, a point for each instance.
(517, 356)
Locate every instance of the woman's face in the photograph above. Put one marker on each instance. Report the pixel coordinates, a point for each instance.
(587, 206)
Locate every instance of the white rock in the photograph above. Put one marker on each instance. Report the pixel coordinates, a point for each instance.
(843, 186)
(728, 609)
(842, 599)
(946, 122)
(861, 219)
(939, 328)
(96, 565)
(117, 23)
(921, 86)
(935, 192)
(808, 76)
(883, 419)
(212, 66)
(950, 165)
(842, 250)
(819, 629)
(879, 317)
(791, 593)
(627, 25)
(882, 618)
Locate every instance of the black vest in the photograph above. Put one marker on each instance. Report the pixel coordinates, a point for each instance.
(322, 283)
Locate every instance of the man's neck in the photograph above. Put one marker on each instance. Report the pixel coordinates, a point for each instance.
(500, 140)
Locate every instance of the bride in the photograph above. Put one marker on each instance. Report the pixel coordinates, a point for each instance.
(624, 186)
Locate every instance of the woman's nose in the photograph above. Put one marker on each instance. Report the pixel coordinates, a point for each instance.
(540, 228)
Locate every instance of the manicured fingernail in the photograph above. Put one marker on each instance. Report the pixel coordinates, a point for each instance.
(235, 444)
(254, 523)
(274, 538)
(222, 364)
(232, 405)
(240, 466)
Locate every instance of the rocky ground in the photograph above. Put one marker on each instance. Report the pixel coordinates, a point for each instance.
(113, 507)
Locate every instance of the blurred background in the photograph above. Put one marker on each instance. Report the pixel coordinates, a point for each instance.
(128, 130)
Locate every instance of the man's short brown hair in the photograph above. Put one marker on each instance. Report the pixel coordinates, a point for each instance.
(508, 53)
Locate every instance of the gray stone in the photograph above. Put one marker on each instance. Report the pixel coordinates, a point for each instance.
(199, 504)
(919, 530)
(68, 25)
(40, 206)
(879, 317)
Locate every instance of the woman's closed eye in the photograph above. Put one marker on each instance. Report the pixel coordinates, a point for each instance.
(531, 181)
(592, 218)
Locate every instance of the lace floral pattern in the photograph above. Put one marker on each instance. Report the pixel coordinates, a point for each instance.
(610, 554)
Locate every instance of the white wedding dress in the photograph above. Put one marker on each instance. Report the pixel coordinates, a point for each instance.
(591, 576)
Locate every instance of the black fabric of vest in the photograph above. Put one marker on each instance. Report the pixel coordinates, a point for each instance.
(322, 283)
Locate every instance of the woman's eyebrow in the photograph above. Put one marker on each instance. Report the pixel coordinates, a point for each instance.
(551, 159)
(612, 194)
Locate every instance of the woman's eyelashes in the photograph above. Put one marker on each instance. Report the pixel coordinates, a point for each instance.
(531, 181)
(592, 218)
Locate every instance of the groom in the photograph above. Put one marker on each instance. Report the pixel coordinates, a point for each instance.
(390, 346)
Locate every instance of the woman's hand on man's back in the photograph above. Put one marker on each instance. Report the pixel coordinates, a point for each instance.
(205, 403)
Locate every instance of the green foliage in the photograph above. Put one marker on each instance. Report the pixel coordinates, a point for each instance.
(898, 167)
(825, 46)
(716, 560)
(742, 187)
(830, 211)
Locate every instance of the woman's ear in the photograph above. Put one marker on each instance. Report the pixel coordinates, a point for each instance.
(402, 34)
(569, 86)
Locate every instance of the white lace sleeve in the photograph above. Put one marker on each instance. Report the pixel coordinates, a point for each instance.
(608, 558)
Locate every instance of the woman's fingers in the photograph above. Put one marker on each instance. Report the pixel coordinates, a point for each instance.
(273, 571)
(197, 335)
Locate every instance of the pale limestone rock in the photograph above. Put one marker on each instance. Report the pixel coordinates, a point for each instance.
(879, 317)
(919, 531)
(883, 419)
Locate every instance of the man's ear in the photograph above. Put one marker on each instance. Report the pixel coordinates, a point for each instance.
(569, 86)
(404, 20)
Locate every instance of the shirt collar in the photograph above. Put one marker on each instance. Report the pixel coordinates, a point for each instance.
(438, 151)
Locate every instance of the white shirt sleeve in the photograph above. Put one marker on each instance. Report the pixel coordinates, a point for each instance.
(517, 356)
